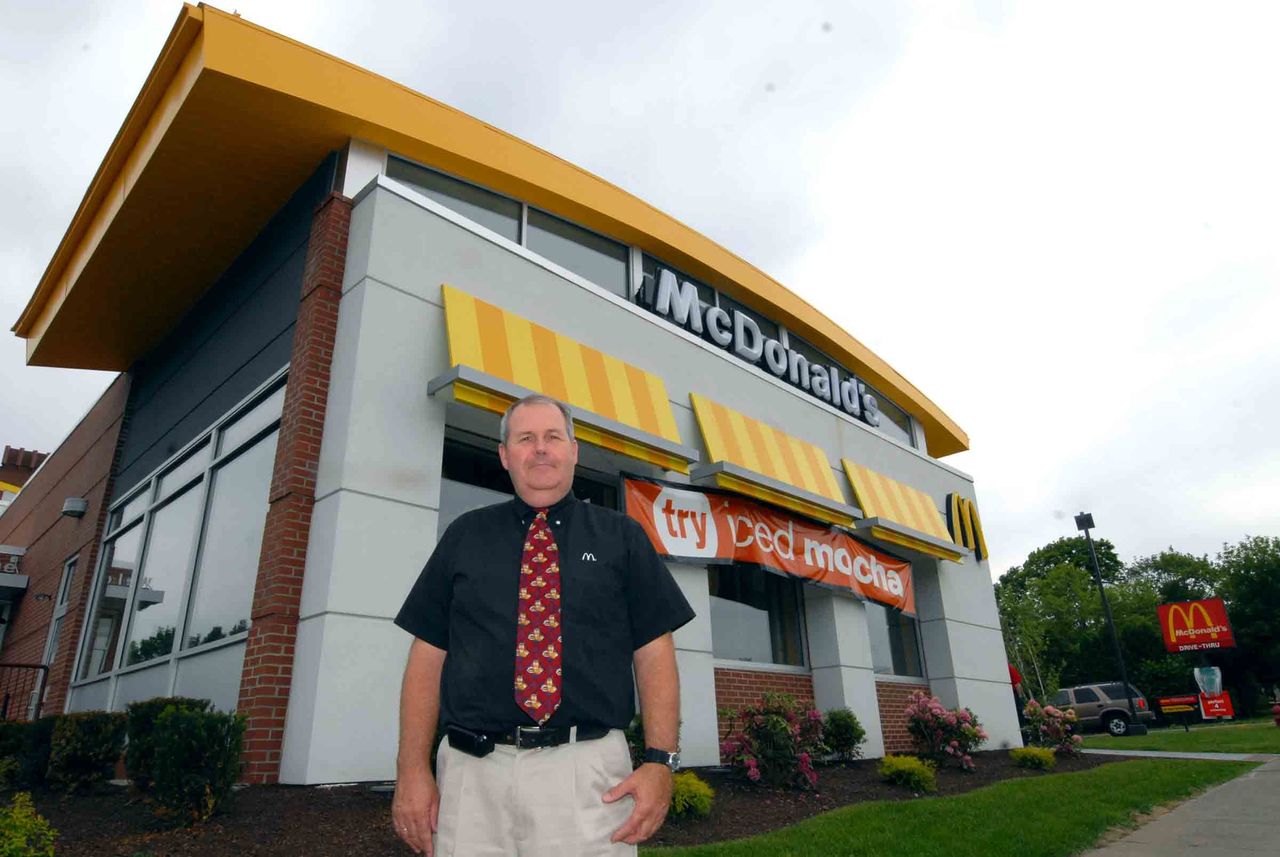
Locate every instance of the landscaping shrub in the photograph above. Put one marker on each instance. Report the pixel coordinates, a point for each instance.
(915, 774)
(1035, 758)
(9, 773)
(691, 797)
(13, 737)
(1051, 727)
(775, 742)
(196, 762)
(942, 733)
(37, 745)
(140, 752)
(84, 748)
(23, 831)
(843, 734)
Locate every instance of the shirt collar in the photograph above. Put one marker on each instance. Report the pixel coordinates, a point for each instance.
(525, 512)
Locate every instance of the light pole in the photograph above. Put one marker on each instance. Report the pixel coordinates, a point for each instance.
(1084, 523)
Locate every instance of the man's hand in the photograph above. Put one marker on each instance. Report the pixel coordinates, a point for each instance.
(650, 785)
(415, 812)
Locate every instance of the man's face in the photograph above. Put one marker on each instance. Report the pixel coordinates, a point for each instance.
(538, 454)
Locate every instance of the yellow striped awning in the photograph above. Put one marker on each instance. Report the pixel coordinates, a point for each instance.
(758, 460)
(616, 405)
(899, 514)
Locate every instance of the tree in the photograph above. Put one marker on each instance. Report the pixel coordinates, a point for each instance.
(1177, 576)
(1068, 550)
(1251, 573)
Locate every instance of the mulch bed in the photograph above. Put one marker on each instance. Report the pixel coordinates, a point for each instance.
(344, 821)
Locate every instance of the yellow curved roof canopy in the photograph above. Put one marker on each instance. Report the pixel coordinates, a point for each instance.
(229, 123)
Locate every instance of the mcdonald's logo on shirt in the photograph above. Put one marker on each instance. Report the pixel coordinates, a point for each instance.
(965, 526)
(1192, 626)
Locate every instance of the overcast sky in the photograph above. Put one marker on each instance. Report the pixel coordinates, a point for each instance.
(1061, 221)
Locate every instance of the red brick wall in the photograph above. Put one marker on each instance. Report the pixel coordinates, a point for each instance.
(738, 688)
(892, 700)
(80, 467)
(269, 651)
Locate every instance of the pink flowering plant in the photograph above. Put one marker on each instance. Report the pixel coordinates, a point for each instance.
(1053, 727)
(775, 742)
(942, 733)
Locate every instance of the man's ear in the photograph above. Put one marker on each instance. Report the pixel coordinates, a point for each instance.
(502, 456)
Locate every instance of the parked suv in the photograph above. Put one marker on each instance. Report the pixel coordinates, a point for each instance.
(1103, 706)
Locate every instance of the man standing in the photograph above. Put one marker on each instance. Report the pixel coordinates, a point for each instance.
(528, 620)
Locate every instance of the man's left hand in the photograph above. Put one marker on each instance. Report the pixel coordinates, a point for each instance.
(650, 785)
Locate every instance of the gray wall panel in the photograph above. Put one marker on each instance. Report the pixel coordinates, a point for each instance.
(235, 337)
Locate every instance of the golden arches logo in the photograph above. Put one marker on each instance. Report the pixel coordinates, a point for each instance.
(1188, 616)
(965, 526)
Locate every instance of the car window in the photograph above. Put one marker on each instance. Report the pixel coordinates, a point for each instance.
(1085, 694)
(1060, 698)
(1112, 690)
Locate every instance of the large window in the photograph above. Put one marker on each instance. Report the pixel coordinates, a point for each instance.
(755, 616)
(181, 555)
(895, 644)
(496, 213)
(587, 254)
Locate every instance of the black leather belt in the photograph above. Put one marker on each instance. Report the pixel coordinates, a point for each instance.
(526, 737)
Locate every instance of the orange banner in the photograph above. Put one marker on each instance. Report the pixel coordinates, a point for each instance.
(1191, 626)
(701, 526)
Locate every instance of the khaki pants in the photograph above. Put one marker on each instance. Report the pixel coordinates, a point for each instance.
(531, 803)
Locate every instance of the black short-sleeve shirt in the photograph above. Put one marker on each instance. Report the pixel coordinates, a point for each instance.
(616, 596)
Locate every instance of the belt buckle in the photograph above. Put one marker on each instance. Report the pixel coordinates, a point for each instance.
(534, 732)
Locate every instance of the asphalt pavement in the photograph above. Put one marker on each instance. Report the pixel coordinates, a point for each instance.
(1239, 818)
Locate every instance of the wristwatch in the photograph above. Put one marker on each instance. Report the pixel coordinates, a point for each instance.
(662, 757)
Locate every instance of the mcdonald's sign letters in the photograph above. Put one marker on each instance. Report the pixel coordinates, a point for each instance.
(1193, 626)
(965, 526)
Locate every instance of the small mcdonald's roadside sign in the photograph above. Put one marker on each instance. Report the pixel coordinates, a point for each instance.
(1193, 626)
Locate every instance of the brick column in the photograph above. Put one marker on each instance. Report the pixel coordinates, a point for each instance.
(268, 657)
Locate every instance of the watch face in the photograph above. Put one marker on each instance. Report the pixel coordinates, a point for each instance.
(674, 764)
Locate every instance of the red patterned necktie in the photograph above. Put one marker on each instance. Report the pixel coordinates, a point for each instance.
(538, 623)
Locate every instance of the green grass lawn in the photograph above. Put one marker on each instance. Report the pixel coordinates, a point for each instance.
(1049, 816)
(1258, 736)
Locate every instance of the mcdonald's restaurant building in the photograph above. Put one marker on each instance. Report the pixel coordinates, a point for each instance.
(320, 290)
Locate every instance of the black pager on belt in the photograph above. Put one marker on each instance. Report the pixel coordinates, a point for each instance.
(476, 744)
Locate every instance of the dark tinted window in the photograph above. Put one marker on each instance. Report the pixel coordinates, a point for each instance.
(1085, 694)
(591, 256)
(729, 305)
(894, 646)
(1115, 690)
(494, 212)
(755, 616)
(1060, 698)
(893, 420)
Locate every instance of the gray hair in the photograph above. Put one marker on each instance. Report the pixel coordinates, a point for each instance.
(535, 399)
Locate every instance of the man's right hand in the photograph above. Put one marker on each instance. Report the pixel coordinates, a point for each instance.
(415, 812)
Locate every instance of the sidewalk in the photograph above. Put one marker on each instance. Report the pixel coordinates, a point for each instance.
(1240, 817)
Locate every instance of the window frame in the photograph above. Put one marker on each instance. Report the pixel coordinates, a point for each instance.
(805, 667)
(61, 606)
(148, 488)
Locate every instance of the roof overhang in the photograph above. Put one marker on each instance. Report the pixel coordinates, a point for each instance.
(233, 118)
